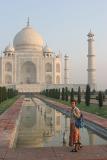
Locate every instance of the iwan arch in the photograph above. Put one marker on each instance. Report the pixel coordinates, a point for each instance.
(30, 66)
(28, 73)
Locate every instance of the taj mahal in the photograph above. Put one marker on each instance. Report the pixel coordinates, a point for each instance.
(30, 65)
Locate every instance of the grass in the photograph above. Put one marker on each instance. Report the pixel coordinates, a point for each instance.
(92, 108)
(7, 103)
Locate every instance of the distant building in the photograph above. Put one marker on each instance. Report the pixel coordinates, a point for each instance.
(31, 66)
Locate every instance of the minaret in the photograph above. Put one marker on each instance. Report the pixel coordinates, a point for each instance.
(91, 61)
(67, 70)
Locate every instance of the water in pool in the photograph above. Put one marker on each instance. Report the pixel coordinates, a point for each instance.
(42, 126)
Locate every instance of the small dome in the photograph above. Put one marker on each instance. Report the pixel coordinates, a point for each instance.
(9, 49)
(27, 38)
(46, 49)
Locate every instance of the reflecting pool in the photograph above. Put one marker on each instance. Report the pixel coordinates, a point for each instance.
(42, 126)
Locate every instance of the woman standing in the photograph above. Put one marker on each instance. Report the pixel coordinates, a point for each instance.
(74, 139)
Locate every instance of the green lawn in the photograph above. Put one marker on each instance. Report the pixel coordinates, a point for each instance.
(7, 103)
(94, 108)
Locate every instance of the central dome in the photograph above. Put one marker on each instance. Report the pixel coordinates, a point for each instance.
(27, 38)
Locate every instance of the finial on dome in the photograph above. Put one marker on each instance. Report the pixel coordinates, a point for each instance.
(28, 22)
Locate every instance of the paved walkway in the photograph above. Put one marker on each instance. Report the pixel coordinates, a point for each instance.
(7, 125)
(8, 122)
(55, 153)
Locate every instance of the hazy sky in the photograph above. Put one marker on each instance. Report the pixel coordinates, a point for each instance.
(64, 25)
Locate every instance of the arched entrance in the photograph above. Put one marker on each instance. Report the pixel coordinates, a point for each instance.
(28, 73)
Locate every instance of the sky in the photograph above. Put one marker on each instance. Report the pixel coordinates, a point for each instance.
(64, 25)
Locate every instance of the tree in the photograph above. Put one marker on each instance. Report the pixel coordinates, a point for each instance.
(71, 95)
(47, 92)
(103, 96)
(105, 91)
(56, 93)
(63, 94)
(87, 95)
(79, 95)
(100, 99)
(8, 93)
(59, 93)
(93, 92)
(0, 94)
(4, 93)
(66, 94)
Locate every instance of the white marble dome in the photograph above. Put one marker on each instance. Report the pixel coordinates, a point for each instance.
(27, 38)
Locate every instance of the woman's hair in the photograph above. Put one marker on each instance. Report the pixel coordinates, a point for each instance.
(74, 101)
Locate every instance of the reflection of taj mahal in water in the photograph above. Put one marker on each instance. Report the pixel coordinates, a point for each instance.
(31, 66)
(40, 124)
